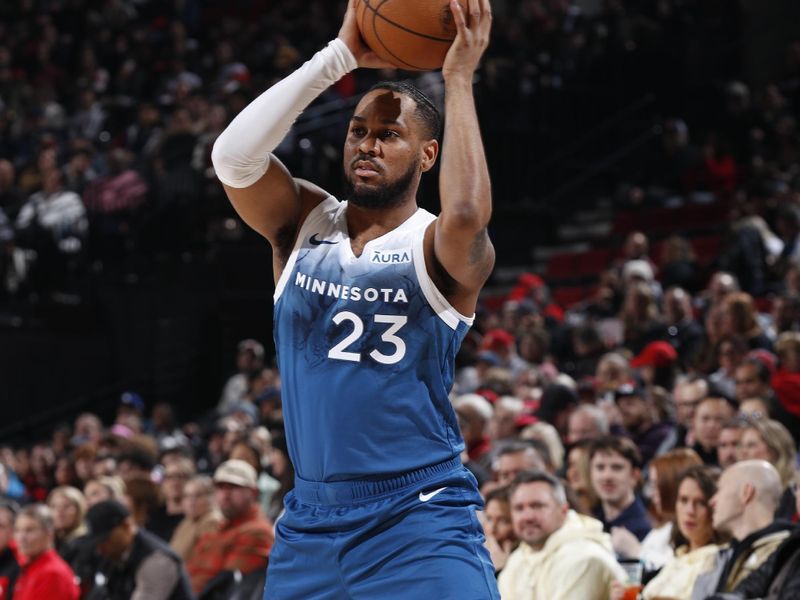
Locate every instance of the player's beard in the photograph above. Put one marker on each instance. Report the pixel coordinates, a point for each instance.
(383, 196)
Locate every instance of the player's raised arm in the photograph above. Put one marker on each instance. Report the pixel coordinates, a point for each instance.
(461, 243)
(260, 188)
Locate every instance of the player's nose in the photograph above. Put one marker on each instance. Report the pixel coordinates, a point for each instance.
(368, 146)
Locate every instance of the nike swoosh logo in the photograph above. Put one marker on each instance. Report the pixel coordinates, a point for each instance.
(313, 239)
(429, 495)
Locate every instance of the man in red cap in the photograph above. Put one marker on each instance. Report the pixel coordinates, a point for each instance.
(502, 344)
(532, 287)
(657, 364)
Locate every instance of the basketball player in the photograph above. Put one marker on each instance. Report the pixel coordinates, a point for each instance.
(373, 297)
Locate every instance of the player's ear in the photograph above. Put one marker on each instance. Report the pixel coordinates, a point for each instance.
(430, 151)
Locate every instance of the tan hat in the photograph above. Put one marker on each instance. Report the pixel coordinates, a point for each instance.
(236, 472)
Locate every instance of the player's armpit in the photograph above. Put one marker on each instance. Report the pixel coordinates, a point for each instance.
(481, 255)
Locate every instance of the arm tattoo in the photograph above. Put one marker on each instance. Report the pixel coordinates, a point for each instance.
(477, 249)
(478, 252)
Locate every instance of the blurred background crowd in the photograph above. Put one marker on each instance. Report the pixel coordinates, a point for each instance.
(645, 159)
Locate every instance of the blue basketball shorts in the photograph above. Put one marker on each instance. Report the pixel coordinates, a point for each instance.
(415, 536)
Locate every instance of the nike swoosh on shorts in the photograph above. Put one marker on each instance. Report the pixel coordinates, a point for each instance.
(425, 497)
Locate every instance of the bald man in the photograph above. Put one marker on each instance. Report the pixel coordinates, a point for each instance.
(747, 495)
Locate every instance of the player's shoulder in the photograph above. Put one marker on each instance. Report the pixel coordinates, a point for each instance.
(319, 209)
(426, 217)
(313, 198)
(417, 224)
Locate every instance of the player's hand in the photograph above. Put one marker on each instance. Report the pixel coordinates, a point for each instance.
(472, 37)
(351, 36)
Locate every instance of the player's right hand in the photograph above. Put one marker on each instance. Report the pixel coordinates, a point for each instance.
(351, 36)
(473, 27)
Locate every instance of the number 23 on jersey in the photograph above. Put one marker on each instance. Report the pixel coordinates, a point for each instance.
(395, 324)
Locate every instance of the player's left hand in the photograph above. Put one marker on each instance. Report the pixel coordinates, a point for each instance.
(351, 36)
(472, 37)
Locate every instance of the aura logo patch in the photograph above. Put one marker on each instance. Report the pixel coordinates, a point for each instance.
(390, 257)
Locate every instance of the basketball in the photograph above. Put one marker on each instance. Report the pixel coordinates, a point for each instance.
(411, 34)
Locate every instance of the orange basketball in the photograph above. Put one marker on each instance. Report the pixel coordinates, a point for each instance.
(411, 34)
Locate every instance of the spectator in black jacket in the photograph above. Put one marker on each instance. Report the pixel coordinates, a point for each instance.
(747, 496)
(776, 579)
(137, 565)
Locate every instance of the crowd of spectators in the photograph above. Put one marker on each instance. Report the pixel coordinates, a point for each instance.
(142, 509)
(598, 432)
(671, 455)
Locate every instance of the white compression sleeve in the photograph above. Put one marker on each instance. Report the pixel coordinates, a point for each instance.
(241, 153)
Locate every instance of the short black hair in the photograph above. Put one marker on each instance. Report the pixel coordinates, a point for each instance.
(426, 110)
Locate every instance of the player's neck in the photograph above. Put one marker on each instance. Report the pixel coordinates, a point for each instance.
(367, 224)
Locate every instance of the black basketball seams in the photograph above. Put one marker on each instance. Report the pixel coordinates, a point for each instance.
(388, 51)
(375, 12)
(378, 36)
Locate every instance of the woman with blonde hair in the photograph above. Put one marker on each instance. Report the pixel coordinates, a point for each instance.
(202, 515)
(612, 371)
(769, 440)
(664, 471)
(787, 347)
(68, 507)
(106, 487)
(547, 434)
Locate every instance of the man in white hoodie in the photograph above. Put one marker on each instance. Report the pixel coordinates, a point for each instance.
(562, 555)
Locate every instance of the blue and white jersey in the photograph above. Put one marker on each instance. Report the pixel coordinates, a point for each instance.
(366, 347)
